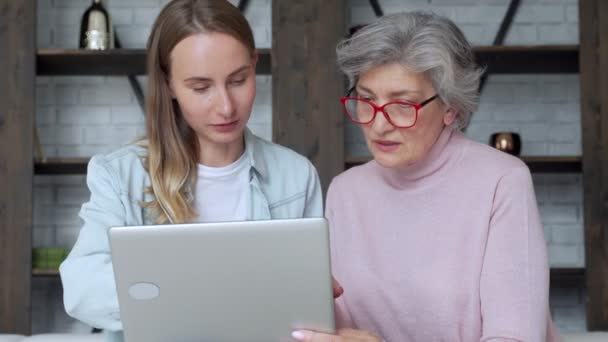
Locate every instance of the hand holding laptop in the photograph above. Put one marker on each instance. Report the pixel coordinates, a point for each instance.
(338, 290)
(191, 288)
(344, 335)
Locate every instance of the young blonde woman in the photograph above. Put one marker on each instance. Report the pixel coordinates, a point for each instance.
(198, 162)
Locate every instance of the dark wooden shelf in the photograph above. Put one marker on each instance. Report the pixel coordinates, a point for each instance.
(567, 278)
(350, 161)
(264, 66)
(81, 62)
(88, 62)
(560, 277)
(49, 273)
(554, 164)
(497, 59)
(61, 166)
(537, 164)
(535, 59)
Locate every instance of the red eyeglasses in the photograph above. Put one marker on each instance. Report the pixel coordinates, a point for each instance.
(400, 114)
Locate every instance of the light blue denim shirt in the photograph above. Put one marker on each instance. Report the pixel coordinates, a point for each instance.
(283, 185)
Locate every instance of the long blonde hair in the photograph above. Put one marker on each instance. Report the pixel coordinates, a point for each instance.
(171, 143)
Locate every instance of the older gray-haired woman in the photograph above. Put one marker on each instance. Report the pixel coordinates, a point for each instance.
(439, 237)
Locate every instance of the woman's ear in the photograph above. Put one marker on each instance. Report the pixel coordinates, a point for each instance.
(449, 116)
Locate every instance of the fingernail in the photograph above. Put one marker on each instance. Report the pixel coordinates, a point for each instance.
(298, 335)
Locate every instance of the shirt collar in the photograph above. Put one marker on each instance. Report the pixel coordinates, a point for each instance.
(254, 153)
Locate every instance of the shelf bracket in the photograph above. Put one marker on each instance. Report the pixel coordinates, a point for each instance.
(505, 25)
(377, 8)
(243, 5)
(137, 90)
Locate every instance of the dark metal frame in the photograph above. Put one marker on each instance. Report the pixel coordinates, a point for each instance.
(137, 90)
(242, 6)
(377, 8)
(505, 25)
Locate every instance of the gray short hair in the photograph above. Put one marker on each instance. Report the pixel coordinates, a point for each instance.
(422, 42)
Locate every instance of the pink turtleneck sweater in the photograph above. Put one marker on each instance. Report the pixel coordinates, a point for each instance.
(448, 249)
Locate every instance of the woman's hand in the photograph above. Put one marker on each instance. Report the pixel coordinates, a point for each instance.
(344, 335)
(338, 290)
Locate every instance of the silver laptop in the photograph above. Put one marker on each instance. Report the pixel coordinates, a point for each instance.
(235, 281)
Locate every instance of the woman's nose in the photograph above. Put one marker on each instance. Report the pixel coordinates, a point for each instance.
(381, 123)
(225, 103)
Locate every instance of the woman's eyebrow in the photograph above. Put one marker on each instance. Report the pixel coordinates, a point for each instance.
(396, 93)
(404, 92)
(243, 68)
(197, 79)
(207, 79)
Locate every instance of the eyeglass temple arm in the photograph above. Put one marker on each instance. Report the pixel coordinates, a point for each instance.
(427, 101)
(350, 91)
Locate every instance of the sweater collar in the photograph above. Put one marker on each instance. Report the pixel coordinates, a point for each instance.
(435, 162)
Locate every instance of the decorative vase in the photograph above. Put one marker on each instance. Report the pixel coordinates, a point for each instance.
(508, 142)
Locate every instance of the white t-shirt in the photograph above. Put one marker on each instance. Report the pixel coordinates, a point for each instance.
(222, 193)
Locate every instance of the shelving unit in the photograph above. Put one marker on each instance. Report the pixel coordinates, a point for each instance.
(66, 62)
(560, 277)
(537, 164)
(117, 62)
(554, 164)
(497, 59)
(567, 278)
(44, 273)
(61, 166)
(303, 89)
(541, 59)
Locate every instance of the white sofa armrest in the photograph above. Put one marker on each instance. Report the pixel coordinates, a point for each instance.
(64, 338)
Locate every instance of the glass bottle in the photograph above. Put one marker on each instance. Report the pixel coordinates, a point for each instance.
(96, 31)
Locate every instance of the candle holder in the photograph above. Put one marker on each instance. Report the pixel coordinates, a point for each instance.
(508, 142)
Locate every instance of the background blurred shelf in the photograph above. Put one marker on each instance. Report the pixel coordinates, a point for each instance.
(61, 166)
(497, 59)
(47, 273)
(537, 164)
(71, 62)
(535, 59)
(567, 278)
(560, 277)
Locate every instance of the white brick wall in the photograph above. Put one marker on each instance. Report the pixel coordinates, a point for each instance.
(568, 309)
(48, 314)
(82, 116)
(543, 109)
